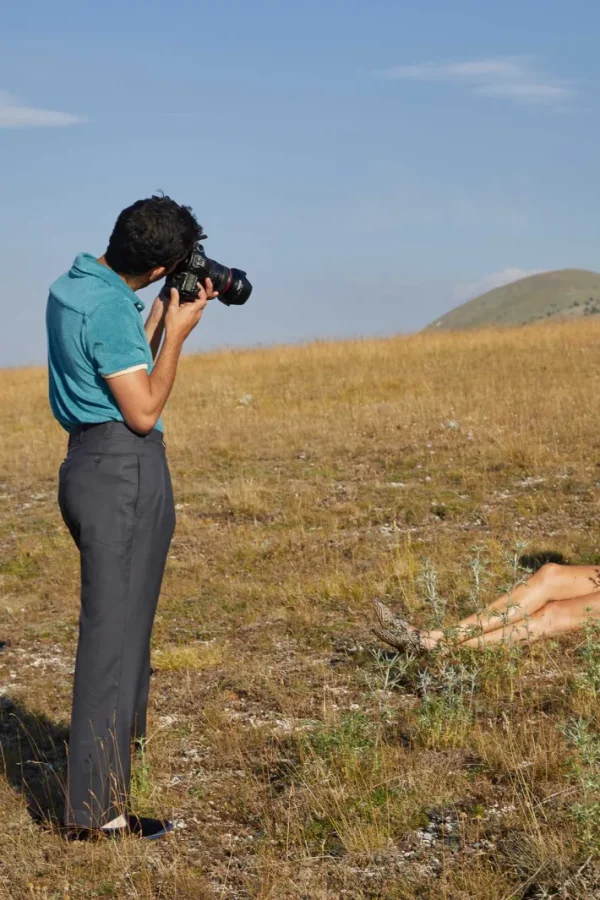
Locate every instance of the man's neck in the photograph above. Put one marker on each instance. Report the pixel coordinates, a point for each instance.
(135, 282)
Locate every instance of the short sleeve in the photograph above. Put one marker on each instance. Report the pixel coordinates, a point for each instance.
(115, 339)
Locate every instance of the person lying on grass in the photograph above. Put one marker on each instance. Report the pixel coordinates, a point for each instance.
(555, 600)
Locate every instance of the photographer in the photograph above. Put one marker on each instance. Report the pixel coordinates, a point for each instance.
(110, 379)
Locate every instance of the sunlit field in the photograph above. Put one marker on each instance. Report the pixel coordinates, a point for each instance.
(298, 757)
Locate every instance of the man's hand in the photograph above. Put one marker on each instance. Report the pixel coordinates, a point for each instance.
(141, 397)
(182, 318)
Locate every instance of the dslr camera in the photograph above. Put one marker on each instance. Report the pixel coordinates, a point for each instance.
(232, 284)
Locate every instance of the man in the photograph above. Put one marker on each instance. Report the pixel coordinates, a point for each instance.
(109, 381)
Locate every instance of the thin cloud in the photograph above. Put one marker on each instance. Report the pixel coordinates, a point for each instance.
(505, 77)
(14, 115)
(529, 93)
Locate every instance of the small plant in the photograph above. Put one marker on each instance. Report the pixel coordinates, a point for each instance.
(502, 619)
(585, 771)
(588, 680)
(393, 671)
(447, 705)
(519, 575)
(429, 582)
(514, 560)
(348, 739)
(500, 669)
(479, 571)
(141, 775)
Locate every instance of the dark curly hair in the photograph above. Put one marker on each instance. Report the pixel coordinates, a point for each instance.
(151, 233)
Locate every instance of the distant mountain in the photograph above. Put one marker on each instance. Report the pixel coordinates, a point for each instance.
(567, 293)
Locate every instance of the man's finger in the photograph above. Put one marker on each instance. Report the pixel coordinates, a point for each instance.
(174, 297)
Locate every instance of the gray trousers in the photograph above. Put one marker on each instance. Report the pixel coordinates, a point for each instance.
(116, 499)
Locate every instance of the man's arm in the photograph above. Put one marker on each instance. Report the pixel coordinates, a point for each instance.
(155, 323)
(142, 397)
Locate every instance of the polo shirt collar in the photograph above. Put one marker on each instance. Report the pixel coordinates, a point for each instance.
(87, 264)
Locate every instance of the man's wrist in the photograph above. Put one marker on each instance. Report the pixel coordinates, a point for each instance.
(157, 309)
(173, 338)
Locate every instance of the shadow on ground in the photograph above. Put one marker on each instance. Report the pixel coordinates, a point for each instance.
(33, 759)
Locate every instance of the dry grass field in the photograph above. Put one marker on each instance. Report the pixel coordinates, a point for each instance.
(298, 757)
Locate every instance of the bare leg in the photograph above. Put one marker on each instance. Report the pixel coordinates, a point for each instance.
(551, 582)
(556, 617)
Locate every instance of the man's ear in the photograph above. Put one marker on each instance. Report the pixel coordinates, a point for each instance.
(156, 274)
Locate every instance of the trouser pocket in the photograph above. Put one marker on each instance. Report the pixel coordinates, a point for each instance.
(98, 494)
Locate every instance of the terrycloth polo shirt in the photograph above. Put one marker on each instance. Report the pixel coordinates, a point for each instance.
(95, 332)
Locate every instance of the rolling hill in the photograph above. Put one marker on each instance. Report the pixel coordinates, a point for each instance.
(566, 293)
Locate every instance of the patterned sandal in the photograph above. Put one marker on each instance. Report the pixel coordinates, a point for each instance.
(395, 630)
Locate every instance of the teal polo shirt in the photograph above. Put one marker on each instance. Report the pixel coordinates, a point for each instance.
(95, 332)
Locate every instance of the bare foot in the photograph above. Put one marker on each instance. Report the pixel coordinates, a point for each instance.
(429, 639)
(400, 634)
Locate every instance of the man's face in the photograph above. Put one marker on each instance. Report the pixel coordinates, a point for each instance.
(161, 272)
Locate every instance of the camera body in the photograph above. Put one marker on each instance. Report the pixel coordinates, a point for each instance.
(232, 284)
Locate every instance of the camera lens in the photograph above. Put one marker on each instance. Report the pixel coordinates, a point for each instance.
(238, 290)
(218, 274)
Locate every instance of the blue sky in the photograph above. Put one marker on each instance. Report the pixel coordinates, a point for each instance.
(370, 165)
